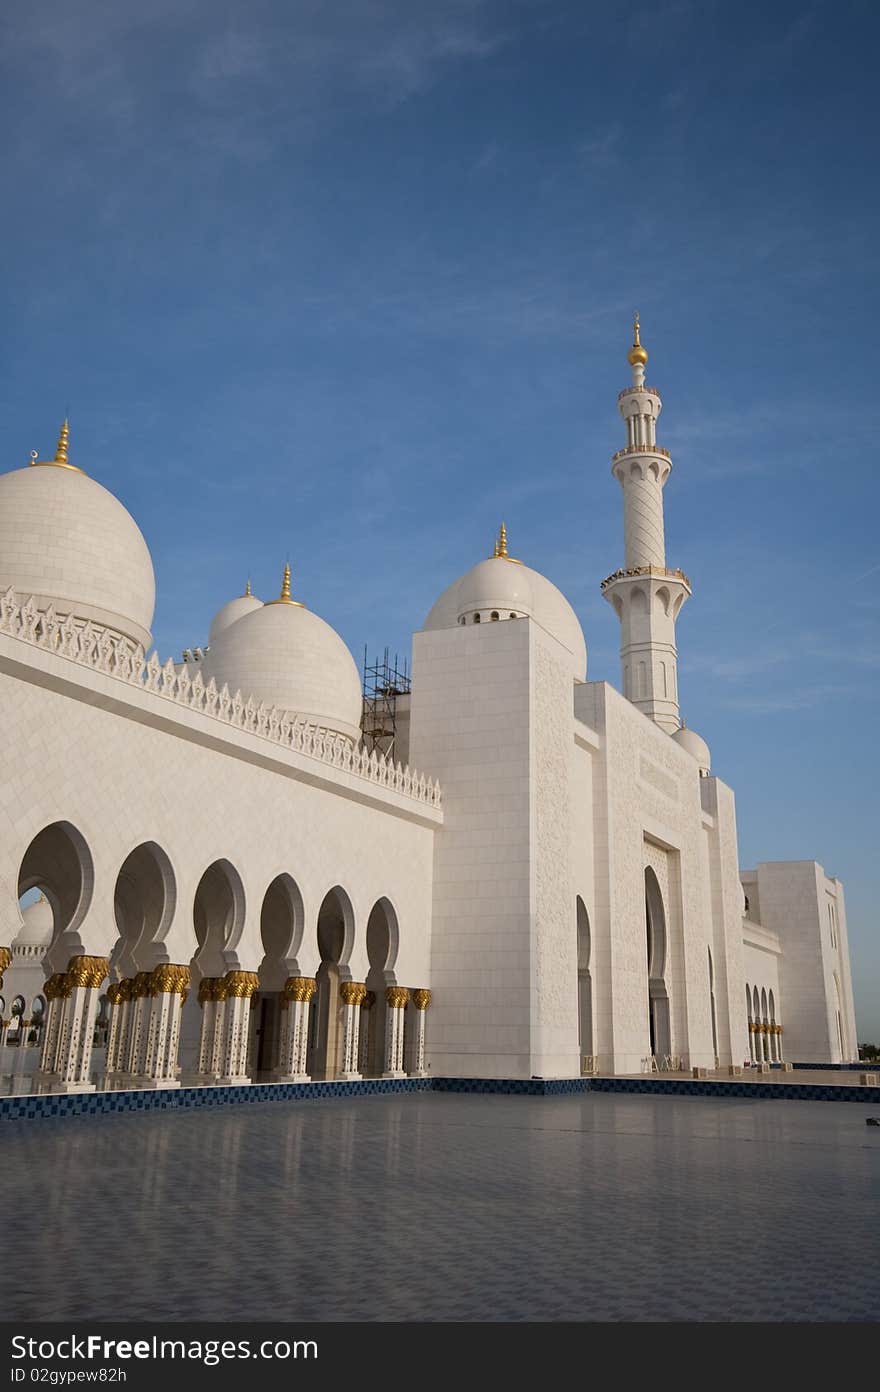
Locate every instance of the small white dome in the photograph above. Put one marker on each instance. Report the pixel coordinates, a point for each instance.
(38, 924)
(285, 656)
(231, 612)
(499, 586)
(505, 586)
(697, 747)
(67, 541)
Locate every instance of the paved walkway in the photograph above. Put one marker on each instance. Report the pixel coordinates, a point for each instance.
(448, 1207)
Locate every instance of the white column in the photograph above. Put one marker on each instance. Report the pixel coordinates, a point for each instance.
(54, 991)
(396, 998)
(296, 1001)
(74, 1057)
(138, 1025)
(752, 1045)
(779, 1033)
(168, 984)
(208, 1000)
(116, 1001)
(352, 994)
(238, 987)
(421, 999)
(366, 1017)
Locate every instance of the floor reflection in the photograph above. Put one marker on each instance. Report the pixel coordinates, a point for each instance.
(447, 1207)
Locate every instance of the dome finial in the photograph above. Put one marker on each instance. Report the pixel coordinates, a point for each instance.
(284, 597)
(248, 592)
(63, 438)
(502, 542)
(637, 354)
(60, 451)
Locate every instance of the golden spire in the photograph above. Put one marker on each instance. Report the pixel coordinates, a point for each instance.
(248, 592)
(60, 451)
(637, 354)
(284, 597)
(499, 552)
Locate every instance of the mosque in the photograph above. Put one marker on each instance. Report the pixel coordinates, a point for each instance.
(517, 873)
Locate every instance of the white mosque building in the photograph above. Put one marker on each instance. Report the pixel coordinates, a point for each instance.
(540, 880)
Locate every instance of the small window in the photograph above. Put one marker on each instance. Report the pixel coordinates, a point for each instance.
(476, 618)
(494, 616)
(513, 616)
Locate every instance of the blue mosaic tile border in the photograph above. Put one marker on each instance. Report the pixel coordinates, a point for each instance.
(863, 1067)
(184, 1099)
(714, 1087)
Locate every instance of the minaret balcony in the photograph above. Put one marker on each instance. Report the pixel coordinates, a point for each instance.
(660, 572)
(640, 449)
(638, 391)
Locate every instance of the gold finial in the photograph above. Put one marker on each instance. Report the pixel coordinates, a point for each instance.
(637, 354)
(63, 438)
(248, 592)
(60, 459)
(284, 597)
(499, 552)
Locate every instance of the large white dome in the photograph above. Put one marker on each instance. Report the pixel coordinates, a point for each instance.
(696, 746)
(68, 542)
(232, 611)
(285, 656)
(504, 587)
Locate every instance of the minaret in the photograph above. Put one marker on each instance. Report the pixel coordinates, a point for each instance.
(646, 596)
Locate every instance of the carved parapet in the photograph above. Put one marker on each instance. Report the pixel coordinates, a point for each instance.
(352, 992)
(421, 998)
(87, 971)
(108, 652)
(300, 988)
(241, 983)
(396, 997)
(169, 979)
(659, 572)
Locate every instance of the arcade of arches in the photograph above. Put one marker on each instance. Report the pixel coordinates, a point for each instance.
(209, 1019)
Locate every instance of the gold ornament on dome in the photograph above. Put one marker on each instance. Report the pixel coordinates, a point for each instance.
(60, 461)
(300, 988)
(421, 999)
(285, 597)
(396, 996)
(499, 551)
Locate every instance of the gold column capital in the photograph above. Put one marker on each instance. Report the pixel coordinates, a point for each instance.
(396, 996)
(421, 998)
(87, 971)
(53, 989)
(5, 959)
(169, 978)
(352, 992)
(242, 984)
(114, 992)
(140, 985)
(208, 988)
(300, 988)
(369, 1000)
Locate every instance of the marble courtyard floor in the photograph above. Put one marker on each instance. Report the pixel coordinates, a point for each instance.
(447, 1207)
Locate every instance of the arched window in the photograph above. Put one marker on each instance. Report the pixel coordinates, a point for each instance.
(494, 616)
(476, 618)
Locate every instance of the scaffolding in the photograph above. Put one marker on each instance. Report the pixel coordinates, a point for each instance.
(384, 681)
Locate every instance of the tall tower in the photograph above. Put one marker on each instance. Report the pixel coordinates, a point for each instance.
(646, 596)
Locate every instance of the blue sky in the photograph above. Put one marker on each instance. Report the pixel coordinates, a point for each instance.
(351, 282)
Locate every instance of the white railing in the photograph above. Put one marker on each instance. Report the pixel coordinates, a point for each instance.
(104, 651)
